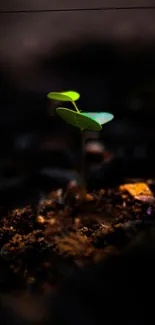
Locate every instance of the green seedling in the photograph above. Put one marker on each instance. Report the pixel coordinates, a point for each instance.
(85, 121)
(82, 120)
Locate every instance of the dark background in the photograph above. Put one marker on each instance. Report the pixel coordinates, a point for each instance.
(103, 49)
(107, 53)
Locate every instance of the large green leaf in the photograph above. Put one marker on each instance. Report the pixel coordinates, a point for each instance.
(78, 120)
(65, 96)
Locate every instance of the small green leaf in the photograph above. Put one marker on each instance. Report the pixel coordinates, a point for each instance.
(78, 120)
(65, 96)
(100, 117)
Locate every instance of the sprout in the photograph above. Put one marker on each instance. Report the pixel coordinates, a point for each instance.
(82, 120)
(85, 121)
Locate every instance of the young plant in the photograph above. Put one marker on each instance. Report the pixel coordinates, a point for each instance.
(85, 121)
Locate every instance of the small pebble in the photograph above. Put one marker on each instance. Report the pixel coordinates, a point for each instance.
(51, 221)
(40, 219)
(89, 197)
(77, 222)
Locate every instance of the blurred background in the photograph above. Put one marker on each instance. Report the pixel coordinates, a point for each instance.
(105, 50)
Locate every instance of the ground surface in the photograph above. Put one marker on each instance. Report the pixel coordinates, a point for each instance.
(41, 248)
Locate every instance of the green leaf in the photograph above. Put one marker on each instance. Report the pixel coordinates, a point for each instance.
(100, 117)
(78, 120)
(65, 96)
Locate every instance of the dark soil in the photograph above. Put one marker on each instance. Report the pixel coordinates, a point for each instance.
(38, 250)
(42, 250)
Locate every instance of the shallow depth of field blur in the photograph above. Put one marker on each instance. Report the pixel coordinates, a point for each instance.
(64, 260)
(108, 56)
